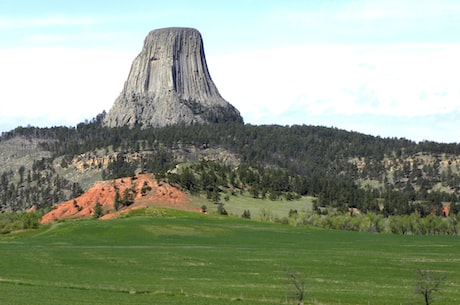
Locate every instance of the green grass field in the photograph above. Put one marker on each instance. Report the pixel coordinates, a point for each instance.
(190, 258)
(277, 208)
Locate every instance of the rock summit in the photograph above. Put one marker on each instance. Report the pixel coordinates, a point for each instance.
(169, 83)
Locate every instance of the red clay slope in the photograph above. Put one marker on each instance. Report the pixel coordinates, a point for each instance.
(145, 192)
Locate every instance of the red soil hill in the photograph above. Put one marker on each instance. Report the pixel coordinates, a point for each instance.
(140, 191)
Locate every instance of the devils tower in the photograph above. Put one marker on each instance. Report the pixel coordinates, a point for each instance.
(169, 83)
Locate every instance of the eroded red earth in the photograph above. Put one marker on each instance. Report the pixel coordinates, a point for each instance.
(144, 192)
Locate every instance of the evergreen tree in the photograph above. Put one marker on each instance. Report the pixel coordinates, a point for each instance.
(98, 212)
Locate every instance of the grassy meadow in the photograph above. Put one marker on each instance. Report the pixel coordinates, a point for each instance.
(171, 257)
(257, 207)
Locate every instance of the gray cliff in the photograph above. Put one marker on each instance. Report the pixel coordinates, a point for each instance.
(169, 83)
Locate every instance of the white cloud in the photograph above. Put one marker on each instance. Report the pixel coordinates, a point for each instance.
(395, 80)
(115, 40)
(61, 84)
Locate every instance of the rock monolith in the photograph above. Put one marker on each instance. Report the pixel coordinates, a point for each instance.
(169, 83)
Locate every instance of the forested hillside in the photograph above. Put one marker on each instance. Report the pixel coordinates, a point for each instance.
(341, 169)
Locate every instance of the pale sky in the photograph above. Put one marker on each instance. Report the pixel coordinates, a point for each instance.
(386, 68)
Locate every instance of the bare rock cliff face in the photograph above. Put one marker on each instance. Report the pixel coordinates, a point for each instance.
(169, 83)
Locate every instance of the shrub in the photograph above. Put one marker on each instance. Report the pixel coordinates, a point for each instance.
(98, 212)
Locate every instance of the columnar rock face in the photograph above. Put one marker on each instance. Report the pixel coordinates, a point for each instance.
(169, 83)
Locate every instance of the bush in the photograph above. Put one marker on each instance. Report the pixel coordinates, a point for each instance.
(376, 223)
(246, 214)
(221, 210)
(98, 212)
(19, 221)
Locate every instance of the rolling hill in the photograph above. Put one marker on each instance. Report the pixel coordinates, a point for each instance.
(341, 169)
(164, 256)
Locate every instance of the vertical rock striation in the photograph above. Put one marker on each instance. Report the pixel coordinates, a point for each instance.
(169, 83)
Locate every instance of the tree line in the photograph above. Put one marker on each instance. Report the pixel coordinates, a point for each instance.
(39, 186)
(276, 162)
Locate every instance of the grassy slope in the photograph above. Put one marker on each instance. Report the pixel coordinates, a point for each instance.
(183, 258)
(237, 204)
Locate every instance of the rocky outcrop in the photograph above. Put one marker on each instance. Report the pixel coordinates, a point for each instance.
(169, 83)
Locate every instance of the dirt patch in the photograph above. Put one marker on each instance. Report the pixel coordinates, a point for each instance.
(133, 193)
